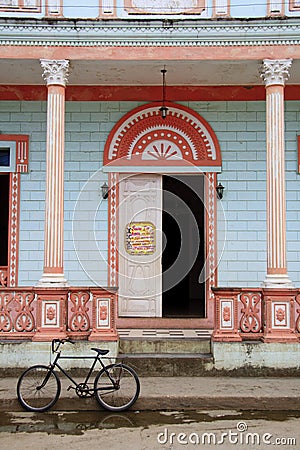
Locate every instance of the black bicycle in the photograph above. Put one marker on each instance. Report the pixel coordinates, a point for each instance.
(116, 386)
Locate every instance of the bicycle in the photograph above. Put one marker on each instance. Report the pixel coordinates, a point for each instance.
(116, 386)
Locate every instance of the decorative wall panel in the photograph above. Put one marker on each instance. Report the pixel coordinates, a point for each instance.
(165, 6)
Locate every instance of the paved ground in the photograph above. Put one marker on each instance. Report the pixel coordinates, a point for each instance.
(166, 393)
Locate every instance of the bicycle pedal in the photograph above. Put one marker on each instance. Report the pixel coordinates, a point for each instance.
(69, 388)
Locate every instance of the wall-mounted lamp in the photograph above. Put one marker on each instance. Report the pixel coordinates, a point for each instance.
(220, 189)
(104, 190)
(163, 109)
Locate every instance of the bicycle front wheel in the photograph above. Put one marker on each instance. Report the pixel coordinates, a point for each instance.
(117, 387)
(38, 388)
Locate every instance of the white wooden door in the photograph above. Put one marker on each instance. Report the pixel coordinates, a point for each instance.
(140, 245)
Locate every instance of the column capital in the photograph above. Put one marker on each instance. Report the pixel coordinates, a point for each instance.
(55, 71)
(275, 71)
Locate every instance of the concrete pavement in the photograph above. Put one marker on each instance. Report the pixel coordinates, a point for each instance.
(182, 393)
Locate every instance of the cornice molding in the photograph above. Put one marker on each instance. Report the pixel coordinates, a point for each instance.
(155, 33)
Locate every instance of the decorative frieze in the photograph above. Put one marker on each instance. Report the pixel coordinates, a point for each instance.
(24, 321)
(51, 314)
(226, 328)
(66, 34)
(17, 314)
(250, 321)
(104, 315)
(55, 71)
(41, 314)
(3, 276)
(6, 322)
(79, 305)
(211, 220)
(183, 138)
(279, 315)
(271, 315)
(13, 244)
(297, 313)
(113, 204)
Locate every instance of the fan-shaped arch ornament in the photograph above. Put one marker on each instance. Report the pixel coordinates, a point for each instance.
(142, 138)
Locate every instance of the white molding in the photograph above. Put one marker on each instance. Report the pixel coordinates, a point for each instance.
(162, 169)
(119, 34)
(277, 281)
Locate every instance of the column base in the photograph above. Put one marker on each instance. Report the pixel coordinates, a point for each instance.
(52, 280)
(277, 281)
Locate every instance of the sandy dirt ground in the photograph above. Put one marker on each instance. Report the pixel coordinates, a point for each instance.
(239, 434)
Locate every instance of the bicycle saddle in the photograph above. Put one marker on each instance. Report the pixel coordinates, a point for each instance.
(101, 352)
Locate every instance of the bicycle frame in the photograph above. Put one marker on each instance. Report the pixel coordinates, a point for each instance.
(95, 359)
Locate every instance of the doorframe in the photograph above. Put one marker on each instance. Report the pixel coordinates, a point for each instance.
(210, 258)
(19, 146)
(195, 149)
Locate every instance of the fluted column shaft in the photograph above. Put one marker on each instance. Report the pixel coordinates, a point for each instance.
(55, 73)
(275, 73)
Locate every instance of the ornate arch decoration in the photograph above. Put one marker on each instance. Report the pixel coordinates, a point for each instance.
(142, 138)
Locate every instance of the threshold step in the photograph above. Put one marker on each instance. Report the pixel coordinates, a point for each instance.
(170, 365)
(164, 346)
(165, 355)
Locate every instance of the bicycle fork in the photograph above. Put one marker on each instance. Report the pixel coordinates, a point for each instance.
(46, 379)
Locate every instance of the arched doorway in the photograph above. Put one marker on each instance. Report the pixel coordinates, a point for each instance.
(156, 165)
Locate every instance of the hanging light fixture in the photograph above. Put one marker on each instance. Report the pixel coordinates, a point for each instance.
(163, 109)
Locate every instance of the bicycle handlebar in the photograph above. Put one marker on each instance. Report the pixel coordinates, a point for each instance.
(56, 343)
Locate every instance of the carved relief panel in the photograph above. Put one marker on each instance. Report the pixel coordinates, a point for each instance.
(165, 6)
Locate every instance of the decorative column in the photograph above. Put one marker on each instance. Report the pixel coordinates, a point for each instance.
(275, 73)
(55, 74)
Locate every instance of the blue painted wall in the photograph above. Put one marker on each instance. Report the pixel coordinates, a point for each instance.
(240, 128)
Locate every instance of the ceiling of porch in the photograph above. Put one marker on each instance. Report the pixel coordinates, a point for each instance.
(139, 73)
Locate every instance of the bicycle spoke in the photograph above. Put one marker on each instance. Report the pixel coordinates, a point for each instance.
(117, 387)
(38, 389)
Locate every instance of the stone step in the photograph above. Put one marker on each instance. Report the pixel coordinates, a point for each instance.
(161, 346)
(169, 365)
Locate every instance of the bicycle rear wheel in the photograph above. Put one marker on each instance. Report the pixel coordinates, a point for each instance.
(38, 388)
(117, 387)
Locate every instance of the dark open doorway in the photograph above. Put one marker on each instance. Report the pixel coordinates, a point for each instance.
(184, 251)
(4, 189)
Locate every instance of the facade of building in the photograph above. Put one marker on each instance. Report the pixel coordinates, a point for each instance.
(161, 102)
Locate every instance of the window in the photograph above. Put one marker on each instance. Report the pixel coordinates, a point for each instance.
(275, 7)
(7, 156)
(54, 8)
(221, 8)
(294, 5)
(20, 5)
